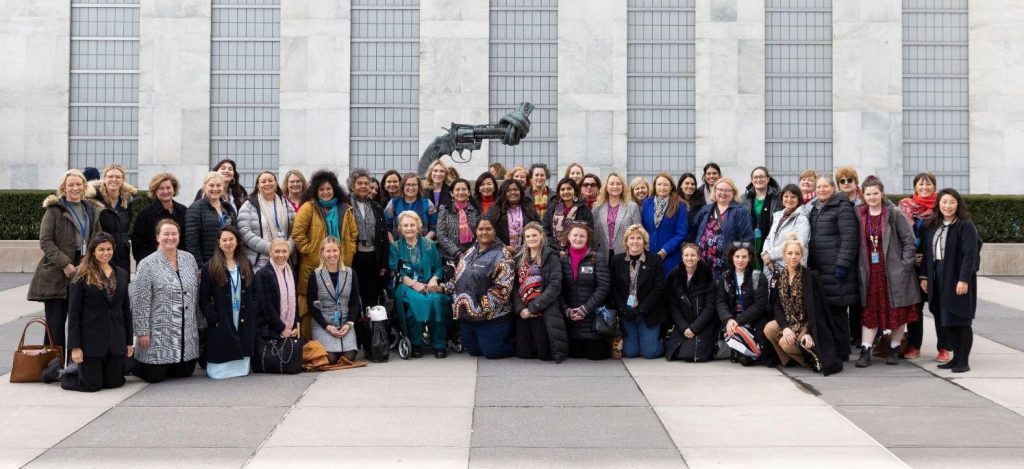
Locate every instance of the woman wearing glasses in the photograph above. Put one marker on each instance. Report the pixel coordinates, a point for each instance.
(721, 223)
(761, 200)
(849, 184)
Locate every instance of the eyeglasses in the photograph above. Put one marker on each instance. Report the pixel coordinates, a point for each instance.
(741, 244)
(759, 178)
(846, 181)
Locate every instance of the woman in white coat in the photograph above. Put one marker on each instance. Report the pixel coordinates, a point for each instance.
(791, 219)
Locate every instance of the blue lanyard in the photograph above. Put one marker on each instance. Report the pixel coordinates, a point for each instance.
(276, 222)
(81, 223)
(234, 278)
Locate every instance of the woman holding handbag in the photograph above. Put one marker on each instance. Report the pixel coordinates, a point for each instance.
(585, 285)
(225, 298)
(691, 303)
(540, 328)
(637, 291)
(99, 320)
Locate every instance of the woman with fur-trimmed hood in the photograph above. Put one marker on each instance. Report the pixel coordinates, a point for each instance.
(114, 195)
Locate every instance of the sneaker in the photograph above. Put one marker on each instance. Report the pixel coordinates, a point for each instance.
(944, 356)
(912, 352)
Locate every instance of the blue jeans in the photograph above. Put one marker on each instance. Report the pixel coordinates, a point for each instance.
(640, 339)
(492, 339)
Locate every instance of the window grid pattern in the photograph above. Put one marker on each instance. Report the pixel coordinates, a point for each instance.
(798, 87)
(935, 94)
(245, 86)
(104, 101)
(661, 95)
(524, 67)
(385, 87)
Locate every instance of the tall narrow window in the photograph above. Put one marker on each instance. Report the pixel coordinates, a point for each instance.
(104, 105)
(524, 67)
(798, 87)
(245, 110)
(935, 94)
(385, 85)
(660, 87)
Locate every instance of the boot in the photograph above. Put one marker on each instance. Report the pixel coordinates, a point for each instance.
(865, 357)
(894, 356)
(51, 374)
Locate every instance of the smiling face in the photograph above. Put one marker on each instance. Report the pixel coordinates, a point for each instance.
(165, 192)
(711, 176)
(662, 186)
(566, 193)
(513, 195)
(267, 183)
(789, 201)
(873, 196)
(576, 173)
(214, 189)
(724, 194)
(103, 253)
(460, 192)
(295, 184)
(740, 259)
(487, 188)
(759, 178)
(589, 187)
(689, 186)
(948, 206)
(485, 233)
(411, 188)
(539, 178)
(521, 176)
(113, 180)
(437, 175)
(807, 185)
(331, 253)
(279, 253)
(74, 188)
(615, 186)
(823, 189)
(635, 244)
(325, 192)
(578, 238)
(532, 238)
(167, 237)
(392, 185)
(924, 187)
(690, 258)
(373, 189)
(792, 255)
(227, 171)
(640, 192)
(409, 227)
(227, 242)
(361, 187)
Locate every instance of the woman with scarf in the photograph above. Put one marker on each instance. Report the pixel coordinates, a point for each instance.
(485, 192)
(225, 299)
(538, 191)
(888, 280)
(586, 282)
(761, 201)
(802, 330)
(275, 295)
(325, 213)
(788, 220)
(664, 218)
(807, 180)
(114, 195)
(371, 258)
(567, 209)
(482, 295)
(418, 296)
(918, 209)
(455, 222)
(691, 294)
(332, 293)
(263, 218)
(720, 224)
(742, 300)
(411, 200)
(510, 213)
(540, 327)
(205, 217)
(638, 284)
(613, 213)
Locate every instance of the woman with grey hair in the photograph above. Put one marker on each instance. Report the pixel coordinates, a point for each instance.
(370, 262)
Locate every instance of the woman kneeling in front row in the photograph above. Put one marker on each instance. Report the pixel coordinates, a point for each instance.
(743, 299)
(333, 298)
(802, 322)
(637, 287)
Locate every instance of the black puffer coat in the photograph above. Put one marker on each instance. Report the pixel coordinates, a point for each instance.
(593, 281)
(834, 243)
(224, 341)
(202, 228)
(547, 304)
(693, 306)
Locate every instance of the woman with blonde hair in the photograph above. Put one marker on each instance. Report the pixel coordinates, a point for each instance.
(436, 187)
(540, 328)
(520, 175)
(114, 195)
(720, 224)
(613, 213)
(640, 189)
(332, 293)
(206, 216)
(638, 283)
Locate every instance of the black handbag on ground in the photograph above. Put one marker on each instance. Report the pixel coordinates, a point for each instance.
(698, 349)
(606, 322)
(278, 355)
(380, 343)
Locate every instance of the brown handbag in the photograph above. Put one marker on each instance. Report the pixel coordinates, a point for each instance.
(30, 360)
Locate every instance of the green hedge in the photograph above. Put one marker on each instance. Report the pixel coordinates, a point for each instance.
(1000, 218)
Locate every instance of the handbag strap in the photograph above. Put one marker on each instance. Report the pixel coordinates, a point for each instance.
(21, 343)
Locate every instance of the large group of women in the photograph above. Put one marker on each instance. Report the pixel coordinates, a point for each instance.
(687, 268)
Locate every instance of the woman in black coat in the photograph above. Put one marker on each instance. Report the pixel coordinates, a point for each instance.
(225, 298)
(205, 218)
(833, 252)
(743, 299)
(163, 188)
(691, 293)
(99, 320)
(274, 295)
(585, 285)
(114, 196)
(511, 213)
(370, 261)
(564, 210)
(540, 327)
(637, 293)
(762, 191)
(950, 245)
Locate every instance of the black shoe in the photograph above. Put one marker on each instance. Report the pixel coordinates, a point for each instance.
(964, 368)
(865, 357)
(948, 365)
(51, 374)
(746, 361)
(416, 353)
(440, 353)
(894, 356)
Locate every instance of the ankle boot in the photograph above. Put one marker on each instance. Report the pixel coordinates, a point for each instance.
(894, 356)
(865, 357)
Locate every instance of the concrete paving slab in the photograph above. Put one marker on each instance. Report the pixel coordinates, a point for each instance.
(371, 427)
(169, 458)
(1006, 392)
(792, 457)
(644, 367)
(178, 427)
(539, 458)
(18, 457)
(982, 345)
(15, 304)
(377, 457)
(959, 458)
(42, 426)
(1004, 293)
(256, 390)
(686, 391)
(939, 426)
(569, 427)
(571, 367)
(373, 391)
(10, 280)
(878, 368)
(1013, 340)
(51, 395)
(457, 364)
(986, 365)
(695, 427)
(893, 391)
(552, 391)
(990, 310)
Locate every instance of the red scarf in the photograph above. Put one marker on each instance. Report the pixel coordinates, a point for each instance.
(465, 233)
(486, 202)
(917, 207)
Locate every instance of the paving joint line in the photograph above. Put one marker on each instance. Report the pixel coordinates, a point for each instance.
(270, 434)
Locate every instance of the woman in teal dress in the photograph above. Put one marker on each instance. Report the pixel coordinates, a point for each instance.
(419, 299)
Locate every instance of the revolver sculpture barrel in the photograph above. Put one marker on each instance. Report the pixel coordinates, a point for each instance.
(510, 130)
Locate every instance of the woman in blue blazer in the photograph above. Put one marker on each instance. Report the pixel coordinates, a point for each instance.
(664, 217)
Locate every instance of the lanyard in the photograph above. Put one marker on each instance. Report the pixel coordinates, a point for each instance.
(235, 279)
(874, 230)
(277, 223)
(82, 224)
(335, 292)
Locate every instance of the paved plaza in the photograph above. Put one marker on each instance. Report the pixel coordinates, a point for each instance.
(468, 412)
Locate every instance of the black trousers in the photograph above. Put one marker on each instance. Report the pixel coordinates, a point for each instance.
(95, 373)
(157, 373)
(855, 312)
(370, 282)
(591, 349)
(56, 312)
(841, 316)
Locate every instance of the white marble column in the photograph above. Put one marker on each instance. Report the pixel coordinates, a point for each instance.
(996, 68)
(174, 92)
(454, 53)
(592, 85)
(35, 77)
(729, 85)
(867, 89)
(315, 85)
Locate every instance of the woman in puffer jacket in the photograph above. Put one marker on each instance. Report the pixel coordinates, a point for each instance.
(540, 327)
(691, 305)
(264, 217)
(586, 282)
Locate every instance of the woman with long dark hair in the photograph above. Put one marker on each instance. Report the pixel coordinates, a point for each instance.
(951, 245)
(567, 209)
(264, 217)
(710, 176)
(743, 299)
(918, 209)
(694, 198)
(232, 192)
(390, 187)
(455, 222)
(510, 213)
(225, 298)
(485, 192)
(789, 219)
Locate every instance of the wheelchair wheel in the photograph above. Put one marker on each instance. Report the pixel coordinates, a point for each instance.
(404, 348)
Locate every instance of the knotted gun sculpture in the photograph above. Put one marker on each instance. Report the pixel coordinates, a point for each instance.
(462, 137)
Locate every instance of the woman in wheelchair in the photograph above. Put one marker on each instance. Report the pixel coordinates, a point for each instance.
(419, 300)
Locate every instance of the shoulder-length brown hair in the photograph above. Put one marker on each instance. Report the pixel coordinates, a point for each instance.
(674, 200)
(89, 269)
(219, 263)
